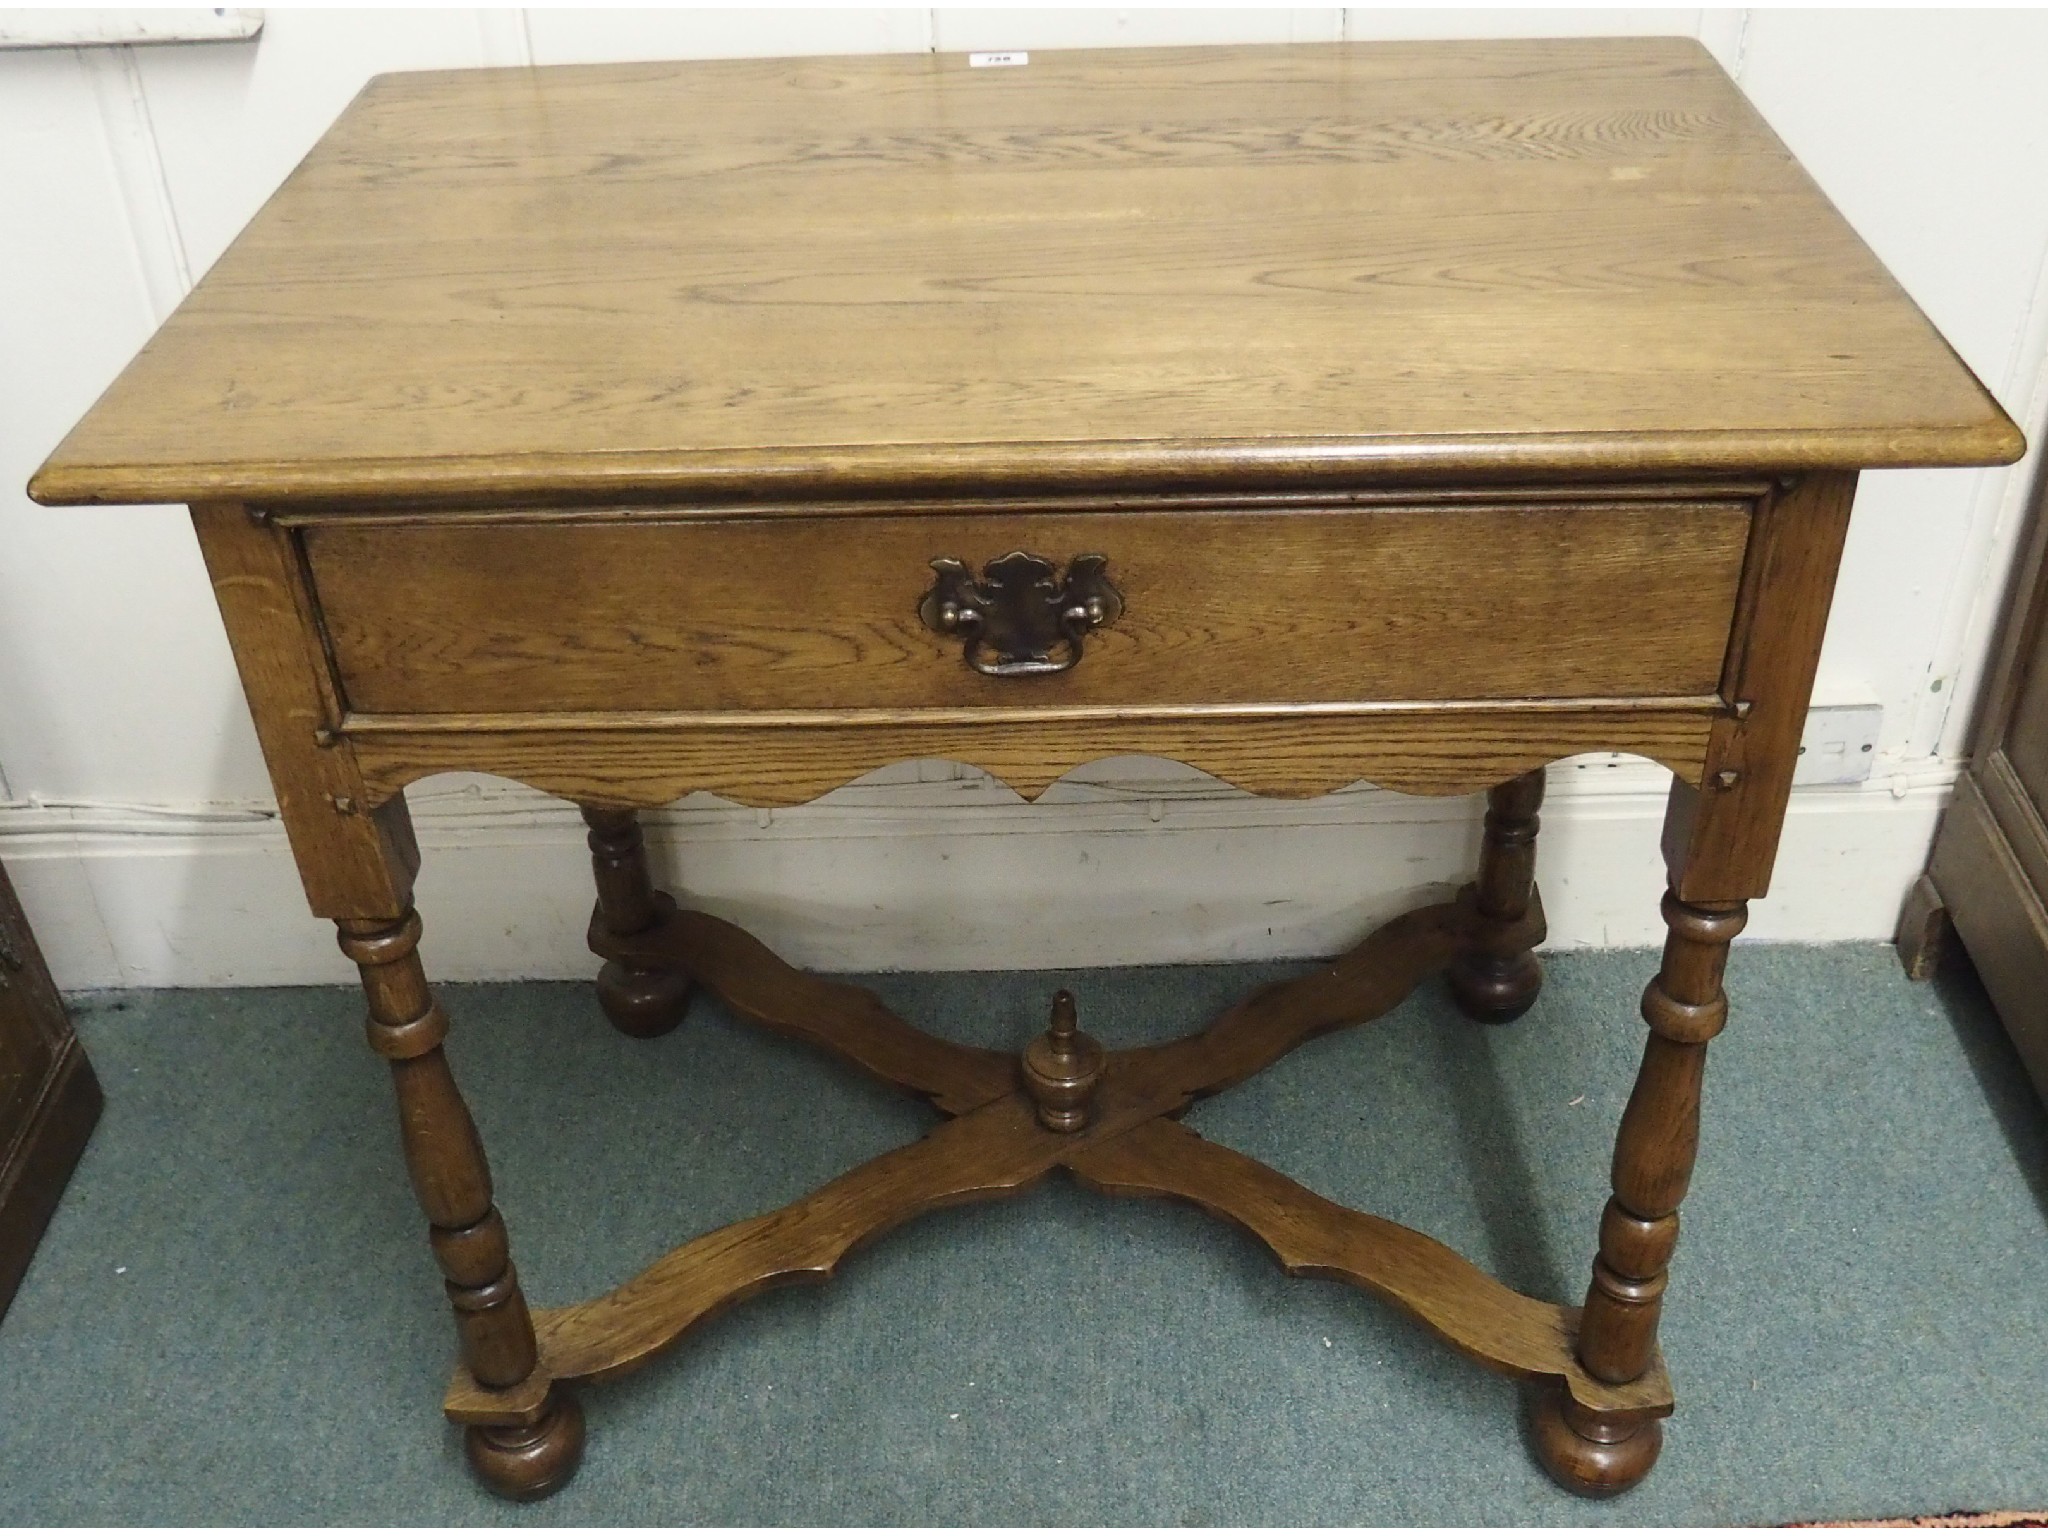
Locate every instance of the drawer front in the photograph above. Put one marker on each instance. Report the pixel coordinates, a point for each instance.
(645, 614)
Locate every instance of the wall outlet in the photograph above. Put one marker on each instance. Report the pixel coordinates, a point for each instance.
(1838, 743)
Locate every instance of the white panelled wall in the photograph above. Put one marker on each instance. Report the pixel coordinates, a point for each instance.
(134, 812)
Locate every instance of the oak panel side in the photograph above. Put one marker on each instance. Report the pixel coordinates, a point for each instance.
(1721, 831)
(356, 857)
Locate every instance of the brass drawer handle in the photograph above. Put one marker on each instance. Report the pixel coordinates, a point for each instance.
(1020, 619)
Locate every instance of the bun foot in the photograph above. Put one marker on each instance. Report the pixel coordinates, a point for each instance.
(529, 1461)
(1495, 989)
(640, 1003)
(1592, 1454)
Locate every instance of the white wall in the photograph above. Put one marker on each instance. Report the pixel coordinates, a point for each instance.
(133, 802)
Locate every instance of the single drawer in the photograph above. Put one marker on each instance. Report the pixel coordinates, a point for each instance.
(666, 613)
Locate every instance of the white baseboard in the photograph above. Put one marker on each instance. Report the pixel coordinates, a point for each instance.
(929, 867)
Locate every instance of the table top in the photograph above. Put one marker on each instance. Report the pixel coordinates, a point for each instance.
(1216, 267)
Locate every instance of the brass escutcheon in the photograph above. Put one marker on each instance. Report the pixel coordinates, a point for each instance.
(1021, 619)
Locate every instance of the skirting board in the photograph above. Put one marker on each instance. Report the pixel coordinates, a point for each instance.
(929, 867)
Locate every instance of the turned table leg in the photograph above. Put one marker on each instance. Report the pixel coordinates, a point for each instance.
(640, 1002)
(1497, 977)
(446, 1160)
(1653, 1158)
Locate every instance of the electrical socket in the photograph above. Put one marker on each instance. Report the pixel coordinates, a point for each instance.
(1838, 744)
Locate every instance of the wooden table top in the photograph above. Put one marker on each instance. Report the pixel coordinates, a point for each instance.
(1217, 267)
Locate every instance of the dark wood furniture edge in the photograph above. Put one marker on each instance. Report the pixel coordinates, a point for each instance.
(2027, 601)
(2019, 820)
(1988, 868)
(1923, 932)
(41, 1161)
(1999, 916)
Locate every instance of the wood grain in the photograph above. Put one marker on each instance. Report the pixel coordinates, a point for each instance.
(1599, 1450)
(849, 1021)
(1721, 829)
(1304, 606)
(1432, 751)
(354, 864)
(1460, 1303)
(1366, 981)
(1657, 1142)
(596, 427)
(537, 1450)
(1242, 266)
(998, 1144)
(997, 1150)
(443, 1152)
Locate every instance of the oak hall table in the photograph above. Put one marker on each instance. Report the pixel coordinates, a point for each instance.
(1419, 412)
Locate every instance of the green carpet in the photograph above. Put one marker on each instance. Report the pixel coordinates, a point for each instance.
(234, 1318)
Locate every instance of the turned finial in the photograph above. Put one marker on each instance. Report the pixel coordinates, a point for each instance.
(1062, 1069)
